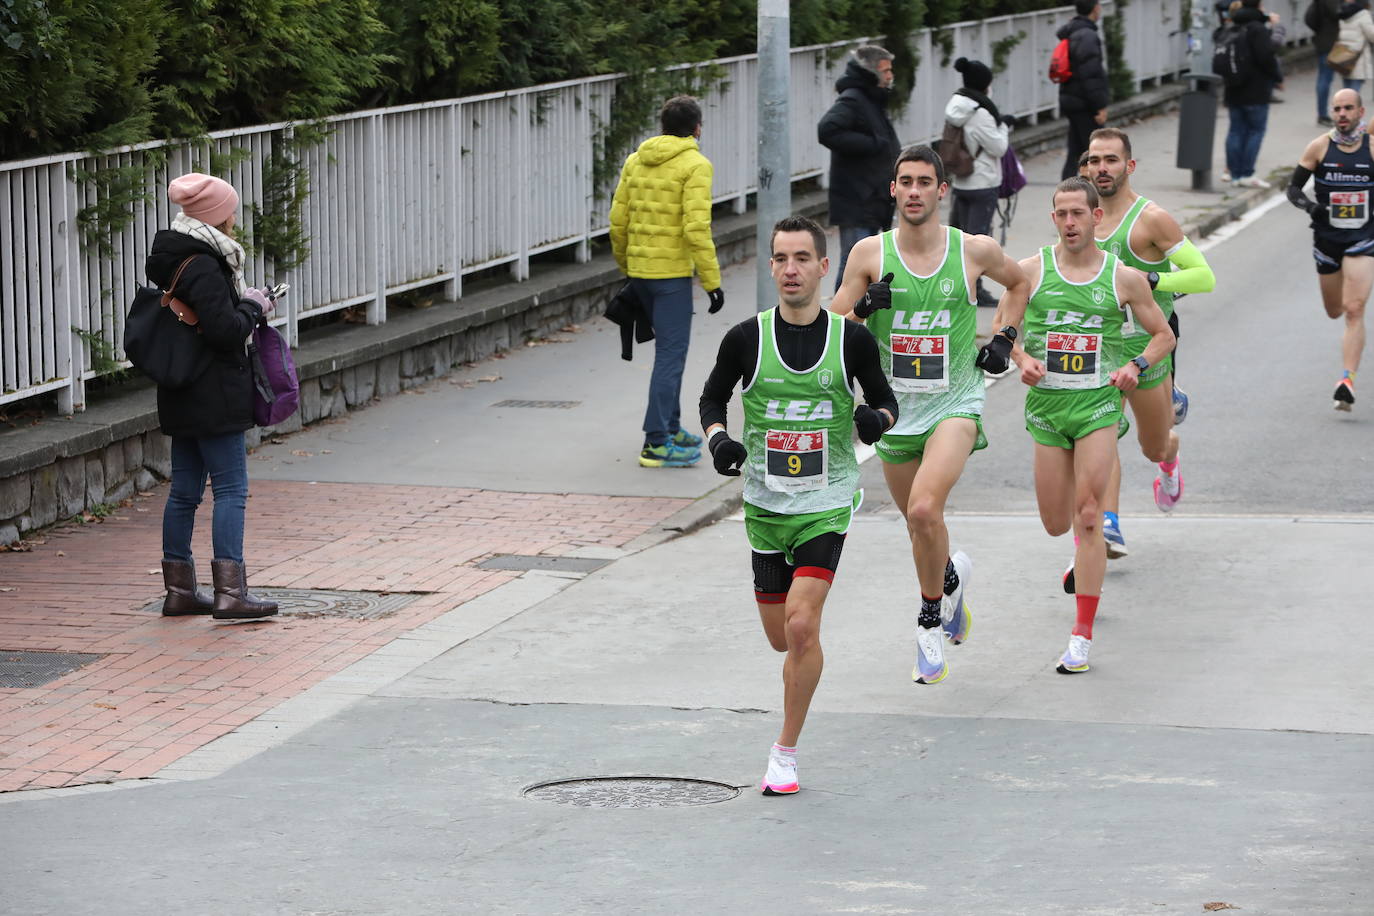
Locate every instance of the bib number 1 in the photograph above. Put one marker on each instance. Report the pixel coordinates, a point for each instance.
(795, 462)
(919, 364)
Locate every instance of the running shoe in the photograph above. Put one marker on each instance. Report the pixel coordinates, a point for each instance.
(1180, 406)
(1111, 532)
(1068, 580)
(781, 778)
(1345, 395)
(1253, 181)
(930, 656)
(955, 615)
(1075, 657)
(684, 439)
(668, 455)
(1167, 497)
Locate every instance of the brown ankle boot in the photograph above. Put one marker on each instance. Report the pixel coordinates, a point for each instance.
(182, 595)
(232, 601)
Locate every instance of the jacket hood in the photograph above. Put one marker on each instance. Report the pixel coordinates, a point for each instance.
(1347, 9)
(856, 77)
(1074, 24)
(169, 249)
(1253, 14)
(658, 150)
(960, 109)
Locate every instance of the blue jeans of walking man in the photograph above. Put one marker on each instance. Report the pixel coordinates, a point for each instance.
(669, 303)
(1243, 139)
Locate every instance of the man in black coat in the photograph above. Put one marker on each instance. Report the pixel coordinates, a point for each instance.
(863, 148)
(1323, 17)
(1083, 97)
(1247, 104)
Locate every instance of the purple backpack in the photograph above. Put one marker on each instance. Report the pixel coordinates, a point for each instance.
(1013, 174)
(276, 391)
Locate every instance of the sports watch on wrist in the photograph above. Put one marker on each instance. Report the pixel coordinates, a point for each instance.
(1141, 363)
(1153, 277)
(1008, 332)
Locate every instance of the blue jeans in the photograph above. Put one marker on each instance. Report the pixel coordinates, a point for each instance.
(669, 303)
(848, 236)
(224, 460)
(1351, 84)
(1324, 76)
(1244, 137)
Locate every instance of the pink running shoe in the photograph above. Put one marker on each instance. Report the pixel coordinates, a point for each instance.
(781, 778)
(1165, 499)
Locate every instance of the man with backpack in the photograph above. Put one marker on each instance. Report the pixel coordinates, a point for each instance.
(1083, 95)
(1323, 18)
(976, 139)
(863, 145)
(1244, 57)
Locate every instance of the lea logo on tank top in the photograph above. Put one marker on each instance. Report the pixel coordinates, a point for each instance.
(920, 321)
(1055, 318)
(799, 411)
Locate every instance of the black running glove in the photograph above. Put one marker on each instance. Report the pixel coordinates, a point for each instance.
(869, 423)
(995, 355)
(727, 454)
(1321, 216)
(717, 299)
(878, 296)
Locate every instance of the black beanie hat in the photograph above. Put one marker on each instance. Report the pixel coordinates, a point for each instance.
(977, 76)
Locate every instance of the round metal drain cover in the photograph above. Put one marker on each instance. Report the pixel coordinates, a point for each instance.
(632, 791)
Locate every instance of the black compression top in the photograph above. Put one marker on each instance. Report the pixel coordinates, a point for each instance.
(799, 346)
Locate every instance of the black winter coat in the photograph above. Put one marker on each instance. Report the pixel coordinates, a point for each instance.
(221, 400)
(1087, 89)
(1264, 65)
(863, 149)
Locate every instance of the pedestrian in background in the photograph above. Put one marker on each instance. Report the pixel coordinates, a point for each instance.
(986, 135)
(1356, 33)
(207, 419)
(1247, 104)
(1323, 18)
(863, 145)
(660, 233)
(1083, 96)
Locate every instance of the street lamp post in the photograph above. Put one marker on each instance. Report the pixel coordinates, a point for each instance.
(774, 201)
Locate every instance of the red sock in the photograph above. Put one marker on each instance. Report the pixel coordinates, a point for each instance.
(1087, 610)
(1169, 467)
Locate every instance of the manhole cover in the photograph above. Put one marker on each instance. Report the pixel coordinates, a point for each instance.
(632, 792)
(306, 603)
(34, 669)
(547, 405)
(558, 564)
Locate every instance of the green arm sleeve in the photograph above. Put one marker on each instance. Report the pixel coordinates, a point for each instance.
(1191, 273)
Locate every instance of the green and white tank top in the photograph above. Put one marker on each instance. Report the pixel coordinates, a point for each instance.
(926, 340)
(1119, 244)
(798, 427)
(1075, 328)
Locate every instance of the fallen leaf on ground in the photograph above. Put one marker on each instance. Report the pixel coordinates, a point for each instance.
(7, 588)
(154, 572)
(277, 441)
(104, 706)
(300, 452)
(1218, 905)
(62, 553)
(326, 451)
(490, 378)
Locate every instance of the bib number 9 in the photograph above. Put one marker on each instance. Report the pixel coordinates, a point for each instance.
(795, 462)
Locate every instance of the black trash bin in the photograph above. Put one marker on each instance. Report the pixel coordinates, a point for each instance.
(1197, 126)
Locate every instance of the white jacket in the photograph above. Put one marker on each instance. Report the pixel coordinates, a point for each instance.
(984, 137)
(1356, 33)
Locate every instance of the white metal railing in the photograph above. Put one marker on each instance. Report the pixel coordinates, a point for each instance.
(423, 194)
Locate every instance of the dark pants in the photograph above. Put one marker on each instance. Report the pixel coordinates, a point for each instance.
(224, 461)
(669, 303)
(1081, 126)
(1244, 137)
(849, 235)
(972, 212)
(1324, 77)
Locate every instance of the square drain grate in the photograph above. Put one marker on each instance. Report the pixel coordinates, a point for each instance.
(523, 562)
(307, 603)
(547, 405)
(34, 669)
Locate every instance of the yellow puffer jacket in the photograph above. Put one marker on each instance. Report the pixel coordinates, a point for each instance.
(661, 213)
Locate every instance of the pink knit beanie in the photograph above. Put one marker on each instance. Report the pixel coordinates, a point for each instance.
(204, 197)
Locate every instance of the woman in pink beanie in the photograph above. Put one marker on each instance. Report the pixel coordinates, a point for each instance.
(207, 419)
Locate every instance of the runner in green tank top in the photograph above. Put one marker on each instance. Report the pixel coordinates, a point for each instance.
(914, 287)
(1073, 363)
(798, 364)
(1147, 238)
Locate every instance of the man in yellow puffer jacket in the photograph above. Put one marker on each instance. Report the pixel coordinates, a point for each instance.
(660, 231)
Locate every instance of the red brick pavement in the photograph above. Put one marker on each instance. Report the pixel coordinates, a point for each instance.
(168, 685)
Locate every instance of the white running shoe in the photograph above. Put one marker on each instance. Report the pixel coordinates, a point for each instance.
(1253, 181)
(781, 778)
(1075, 657)
(955, 615)
(930, 656)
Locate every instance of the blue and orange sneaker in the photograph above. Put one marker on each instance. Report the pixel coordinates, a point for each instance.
(1111, 532)
(1180, 406)
(1344, 398)
(930, 656)
(668, 455)
(781, 777)
(684, 439)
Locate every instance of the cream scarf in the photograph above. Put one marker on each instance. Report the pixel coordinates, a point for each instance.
(230, 250)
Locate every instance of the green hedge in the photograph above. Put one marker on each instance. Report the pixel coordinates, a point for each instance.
(89, 74)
